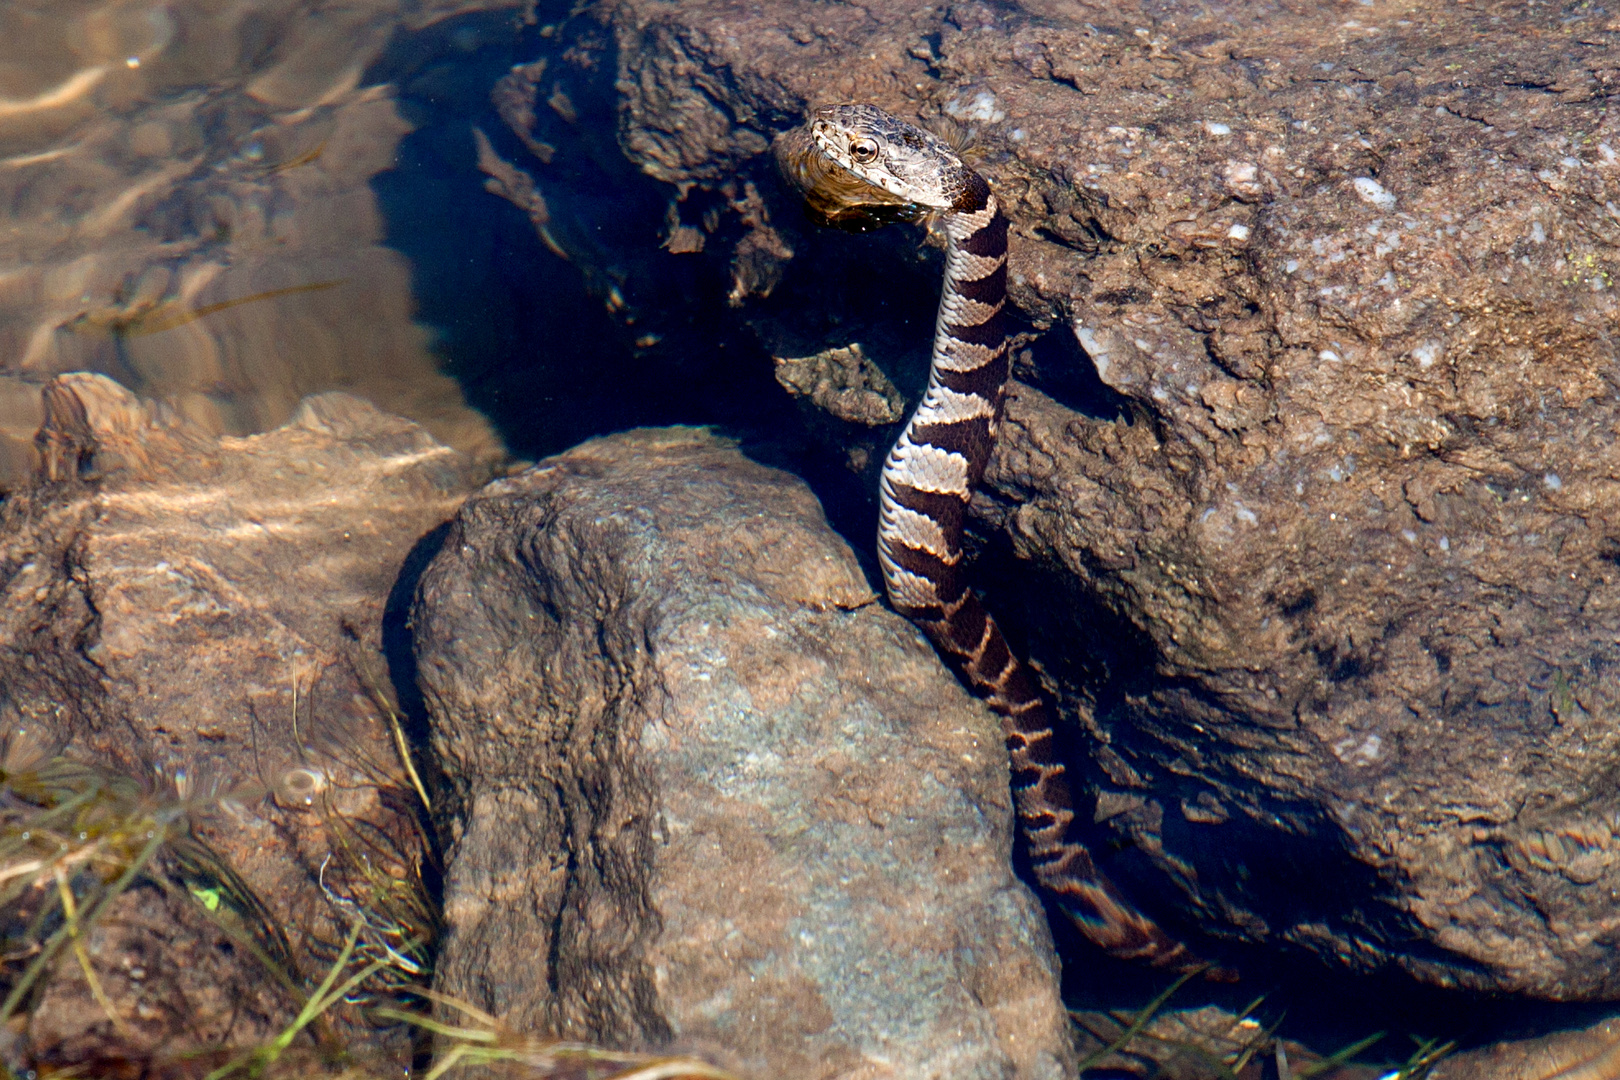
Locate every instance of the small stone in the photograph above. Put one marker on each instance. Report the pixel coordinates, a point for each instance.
(844, 382)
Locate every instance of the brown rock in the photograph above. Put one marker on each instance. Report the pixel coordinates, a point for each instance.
(844, 383)
(179, 985)
(1594, 1051)
(1326, 483)
(705, 790)
(205, 615)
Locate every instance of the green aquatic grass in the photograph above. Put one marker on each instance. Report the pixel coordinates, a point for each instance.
(1244, 1041)
(1138, 1023)
(1429, 1053)
(255, 1062)
(73, 838)
(484, 1042)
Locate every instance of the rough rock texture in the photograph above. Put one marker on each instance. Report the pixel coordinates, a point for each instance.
(844, 383)
(1322, 475)
(179, 984)
(202, 614)
(1183, 1044)
(706, 790)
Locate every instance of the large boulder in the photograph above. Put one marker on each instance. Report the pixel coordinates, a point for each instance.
(705, 789)
(1315, 451)
(203, 617)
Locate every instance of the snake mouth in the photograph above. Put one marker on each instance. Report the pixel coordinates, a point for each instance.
(834, 193)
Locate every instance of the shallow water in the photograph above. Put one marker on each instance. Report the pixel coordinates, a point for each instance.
(188, 204)
(228, 205)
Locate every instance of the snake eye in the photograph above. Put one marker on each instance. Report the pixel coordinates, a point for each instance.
(864, 150)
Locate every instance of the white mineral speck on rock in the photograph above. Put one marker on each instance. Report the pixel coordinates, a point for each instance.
(1445, 543)
(1538, 235)
(1328, 356)
(1238, 232)
(1372, 192)
(1094, 349)
(1426, 354)
(1215, 128)
(1553, 482)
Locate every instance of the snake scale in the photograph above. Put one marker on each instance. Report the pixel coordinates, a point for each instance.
(859, 167)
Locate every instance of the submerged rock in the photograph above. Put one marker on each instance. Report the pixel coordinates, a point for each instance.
(1321, 477)
(844, 383)
(205, 615)
(1592, 1052)
(707, 790)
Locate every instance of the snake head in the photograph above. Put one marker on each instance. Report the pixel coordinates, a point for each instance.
(914, 166)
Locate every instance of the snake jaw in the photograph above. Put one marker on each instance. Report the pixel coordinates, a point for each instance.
(898, 158)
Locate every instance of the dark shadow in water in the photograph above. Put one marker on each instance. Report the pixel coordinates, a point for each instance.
(1059, 368)
(534, 345)
(555, 352)
(1320, 1007)
(513, 323)
(396, 632)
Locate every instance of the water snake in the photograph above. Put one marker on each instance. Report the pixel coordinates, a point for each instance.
(860, 167)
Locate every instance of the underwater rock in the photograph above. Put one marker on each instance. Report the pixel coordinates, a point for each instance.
(843, 383)
(1318, 501)
(1592, 1052)
(706, 791)
(205, 616)
(178, 983)
(20, 414)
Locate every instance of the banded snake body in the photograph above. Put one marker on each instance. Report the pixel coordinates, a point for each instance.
(859, 166)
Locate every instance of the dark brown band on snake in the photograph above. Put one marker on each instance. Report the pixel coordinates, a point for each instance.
(861, 167)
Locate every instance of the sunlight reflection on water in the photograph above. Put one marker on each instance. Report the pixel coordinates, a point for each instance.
(185, 205)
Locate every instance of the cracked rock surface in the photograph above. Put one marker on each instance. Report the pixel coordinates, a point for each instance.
(1314, 449)
(704, 789)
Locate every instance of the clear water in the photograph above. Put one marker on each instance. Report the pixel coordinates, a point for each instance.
(229, 204)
